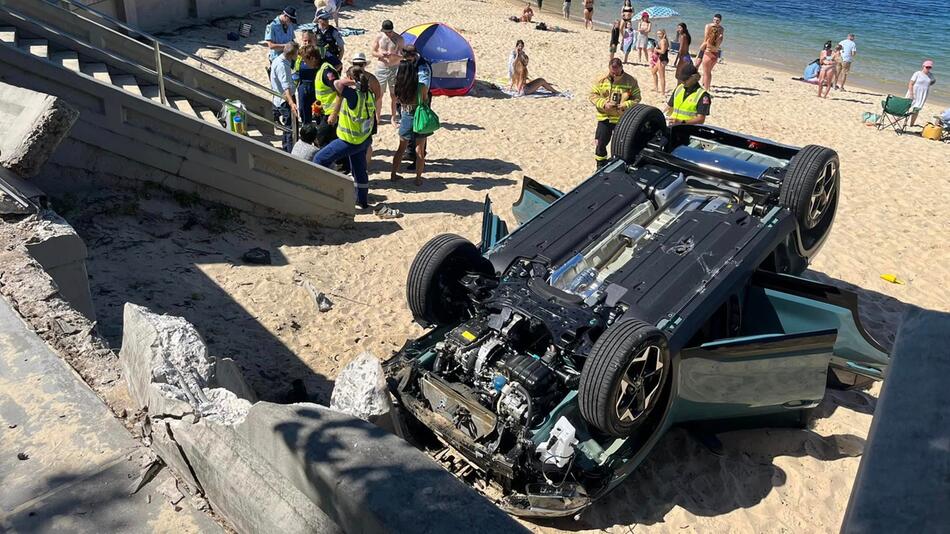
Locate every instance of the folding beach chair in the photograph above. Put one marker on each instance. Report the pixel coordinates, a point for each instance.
(896, 111)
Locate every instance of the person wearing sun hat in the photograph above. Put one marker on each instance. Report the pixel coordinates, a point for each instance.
(919, 88)
(280, 31)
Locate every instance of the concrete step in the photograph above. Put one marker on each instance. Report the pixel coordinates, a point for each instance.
(98, 71)
(207, 114)
(127, 82)
(70, 60)
(151, 91)
(8, 34)
(182, 105)
(37, 47)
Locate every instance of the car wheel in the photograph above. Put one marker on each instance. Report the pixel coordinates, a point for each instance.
(624, 377)
(433, 289)
(810, 191)
(636, 128)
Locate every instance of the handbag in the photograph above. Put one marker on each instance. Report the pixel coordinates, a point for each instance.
(424, 120)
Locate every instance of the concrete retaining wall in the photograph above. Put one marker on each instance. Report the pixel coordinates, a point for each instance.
(32, 125)
(289, 468)
(153, 15)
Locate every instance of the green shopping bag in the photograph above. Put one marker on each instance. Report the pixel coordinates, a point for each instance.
(424, 120)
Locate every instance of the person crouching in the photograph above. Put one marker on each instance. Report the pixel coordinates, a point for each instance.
(354, 114)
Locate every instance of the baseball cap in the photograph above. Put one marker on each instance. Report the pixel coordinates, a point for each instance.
(928, 63)
(291, 13)
(387, 25)
(359, 59)
(684, 72)
(323, 15)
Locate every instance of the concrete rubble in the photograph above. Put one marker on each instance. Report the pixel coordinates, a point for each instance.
(287, 468)
(33, 126)
(360, 389)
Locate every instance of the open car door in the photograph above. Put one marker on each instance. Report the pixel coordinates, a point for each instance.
(794, 338)
(535, 197)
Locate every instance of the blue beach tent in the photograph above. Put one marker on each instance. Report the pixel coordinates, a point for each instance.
(451, 57)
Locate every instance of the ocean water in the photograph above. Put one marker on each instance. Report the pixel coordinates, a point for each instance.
(893, 38)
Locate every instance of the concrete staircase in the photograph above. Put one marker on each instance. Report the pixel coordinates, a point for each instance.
(71, 60)
(111, 78)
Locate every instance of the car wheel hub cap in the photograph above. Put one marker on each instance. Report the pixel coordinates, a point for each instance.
(639, 384)
(822, 194)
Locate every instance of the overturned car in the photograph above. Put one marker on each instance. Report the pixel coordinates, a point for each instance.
(664, 289)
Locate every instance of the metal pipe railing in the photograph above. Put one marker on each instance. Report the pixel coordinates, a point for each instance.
(158, 44)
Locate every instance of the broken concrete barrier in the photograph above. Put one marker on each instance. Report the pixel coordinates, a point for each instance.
(364, 478)
(32, 124)
(243, 486)
(170, 373)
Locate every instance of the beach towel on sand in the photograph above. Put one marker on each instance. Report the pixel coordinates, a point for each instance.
(541, 93)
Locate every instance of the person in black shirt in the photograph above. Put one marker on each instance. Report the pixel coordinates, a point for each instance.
(614, 38)
(328, 37)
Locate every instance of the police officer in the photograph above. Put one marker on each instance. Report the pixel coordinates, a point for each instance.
(279, 32)
(611, 96)
(329, 38)
(689, 103)
(354, 114)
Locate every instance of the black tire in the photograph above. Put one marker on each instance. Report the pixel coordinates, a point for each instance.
(810, 191)
(636, 128)
(603, 376)
(433, 289)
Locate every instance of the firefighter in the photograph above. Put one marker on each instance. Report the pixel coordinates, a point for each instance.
(611, 95)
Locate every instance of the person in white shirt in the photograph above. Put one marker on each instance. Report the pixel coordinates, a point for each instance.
(848, 50)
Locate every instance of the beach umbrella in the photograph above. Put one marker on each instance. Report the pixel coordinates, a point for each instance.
(660, 12)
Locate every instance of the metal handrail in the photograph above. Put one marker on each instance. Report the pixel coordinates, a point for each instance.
(158, 44)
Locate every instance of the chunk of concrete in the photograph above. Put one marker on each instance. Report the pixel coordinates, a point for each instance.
(360, 388)
(228, 375)
(169, 371)
(242, 485)
(362, 477)
(32, 125)
(54, 244)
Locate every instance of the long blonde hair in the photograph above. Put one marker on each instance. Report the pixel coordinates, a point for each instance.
(713, 35)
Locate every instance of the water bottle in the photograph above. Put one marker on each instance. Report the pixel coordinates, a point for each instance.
(237, 124)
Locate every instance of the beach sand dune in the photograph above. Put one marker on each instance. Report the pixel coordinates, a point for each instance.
(891, 219)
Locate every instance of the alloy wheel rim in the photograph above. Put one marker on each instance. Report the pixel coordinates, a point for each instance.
(640, 383)
(822, 194)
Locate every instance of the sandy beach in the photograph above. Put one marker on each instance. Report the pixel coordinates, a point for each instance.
(891, 219)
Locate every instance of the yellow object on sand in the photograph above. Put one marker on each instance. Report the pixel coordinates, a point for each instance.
(932, 132)
(892, 278)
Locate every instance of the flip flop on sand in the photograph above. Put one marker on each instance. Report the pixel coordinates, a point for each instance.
(385, 212)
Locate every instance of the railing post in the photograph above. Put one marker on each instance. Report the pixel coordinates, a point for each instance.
(161, 75)
(293, 125)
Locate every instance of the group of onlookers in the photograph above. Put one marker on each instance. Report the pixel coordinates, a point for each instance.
(835, 64)
(339, 110)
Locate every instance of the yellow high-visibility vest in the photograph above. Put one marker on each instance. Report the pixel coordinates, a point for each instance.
(356, 124)
(326, 94)
(684, 107)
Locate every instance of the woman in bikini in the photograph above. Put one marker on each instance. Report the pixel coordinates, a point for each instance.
(685, 40)
(662, 60)
(589, 14)
(643, 35)
(519, 78)
(827, 72)
(626, 14)
(709, 51)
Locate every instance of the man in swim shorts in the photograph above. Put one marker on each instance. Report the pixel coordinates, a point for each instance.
(387, 49)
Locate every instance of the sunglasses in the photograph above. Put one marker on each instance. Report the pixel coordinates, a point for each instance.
(928, 67)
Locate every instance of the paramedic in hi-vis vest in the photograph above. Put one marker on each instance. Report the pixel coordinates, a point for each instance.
(354, 114)
(611, 95)
(689, 103)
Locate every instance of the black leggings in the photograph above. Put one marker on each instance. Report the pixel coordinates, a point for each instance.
(605, 130)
